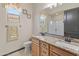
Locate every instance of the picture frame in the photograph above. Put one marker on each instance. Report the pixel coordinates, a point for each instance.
(13, 18)
(12, 33)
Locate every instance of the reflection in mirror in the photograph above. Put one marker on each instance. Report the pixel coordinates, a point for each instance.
(43, 23)
(52, 23)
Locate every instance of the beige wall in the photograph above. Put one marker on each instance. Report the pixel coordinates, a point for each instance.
(24, 32)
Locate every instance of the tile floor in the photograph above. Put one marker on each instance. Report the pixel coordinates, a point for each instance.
(21, 53)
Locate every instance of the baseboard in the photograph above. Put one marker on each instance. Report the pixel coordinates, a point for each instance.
(13, 52)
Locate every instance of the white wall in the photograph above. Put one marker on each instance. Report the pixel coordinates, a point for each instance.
(25, 31)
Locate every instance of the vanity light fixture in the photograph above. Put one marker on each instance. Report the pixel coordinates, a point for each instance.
(54, 5)
(51, 22)
(60, 3)
(51, 7)
(56, 13)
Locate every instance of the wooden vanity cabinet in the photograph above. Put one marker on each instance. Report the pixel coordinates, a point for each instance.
(35, 47)
(44, 48)
(41, 48)
(56, 51)
(53, 53)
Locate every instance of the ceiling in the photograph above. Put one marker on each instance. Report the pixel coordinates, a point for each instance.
(44, 7)
(62, 7)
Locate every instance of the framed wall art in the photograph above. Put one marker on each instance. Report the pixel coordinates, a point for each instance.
(13, 18)
(12, 33)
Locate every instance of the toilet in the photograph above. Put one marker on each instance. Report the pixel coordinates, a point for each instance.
(27, 46)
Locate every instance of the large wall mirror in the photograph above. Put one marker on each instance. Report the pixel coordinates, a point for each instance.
(52, 23)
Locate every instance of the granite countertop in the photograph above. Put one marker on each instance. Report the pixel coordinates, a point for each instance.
(59, 42)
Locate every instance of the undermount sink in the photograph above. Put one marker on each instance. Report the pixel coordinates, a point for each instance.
(67, 45)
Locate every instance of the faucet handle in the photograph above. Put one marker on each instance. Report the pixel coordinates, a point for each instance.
(68, 39)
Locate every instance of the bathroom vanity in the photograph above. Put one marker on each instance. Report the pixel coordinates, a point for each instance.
(53, 46)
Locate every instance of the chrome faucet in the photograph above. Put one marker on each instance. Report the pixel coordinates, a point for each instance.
(68, 38)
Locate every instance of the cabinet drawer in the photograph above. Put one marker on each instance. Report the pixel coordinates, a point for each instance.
(35, 41)
(51, 47)
(44, 45)
(53, 54)
(44, 52)
(51, 51)
(61, 52)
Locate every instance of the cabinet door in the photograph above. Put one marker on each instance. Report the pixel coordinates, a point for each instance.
(44, 49)
(51, 51)
(35, 50)
(62, 52)
(44, 52)
(53, 54)
(55, 51)
(35, 47)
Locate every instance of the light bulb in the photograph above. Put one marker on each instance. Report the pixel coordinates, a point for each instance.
(51, 22)
(50, 7)
(60, 3)
(55, 4)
